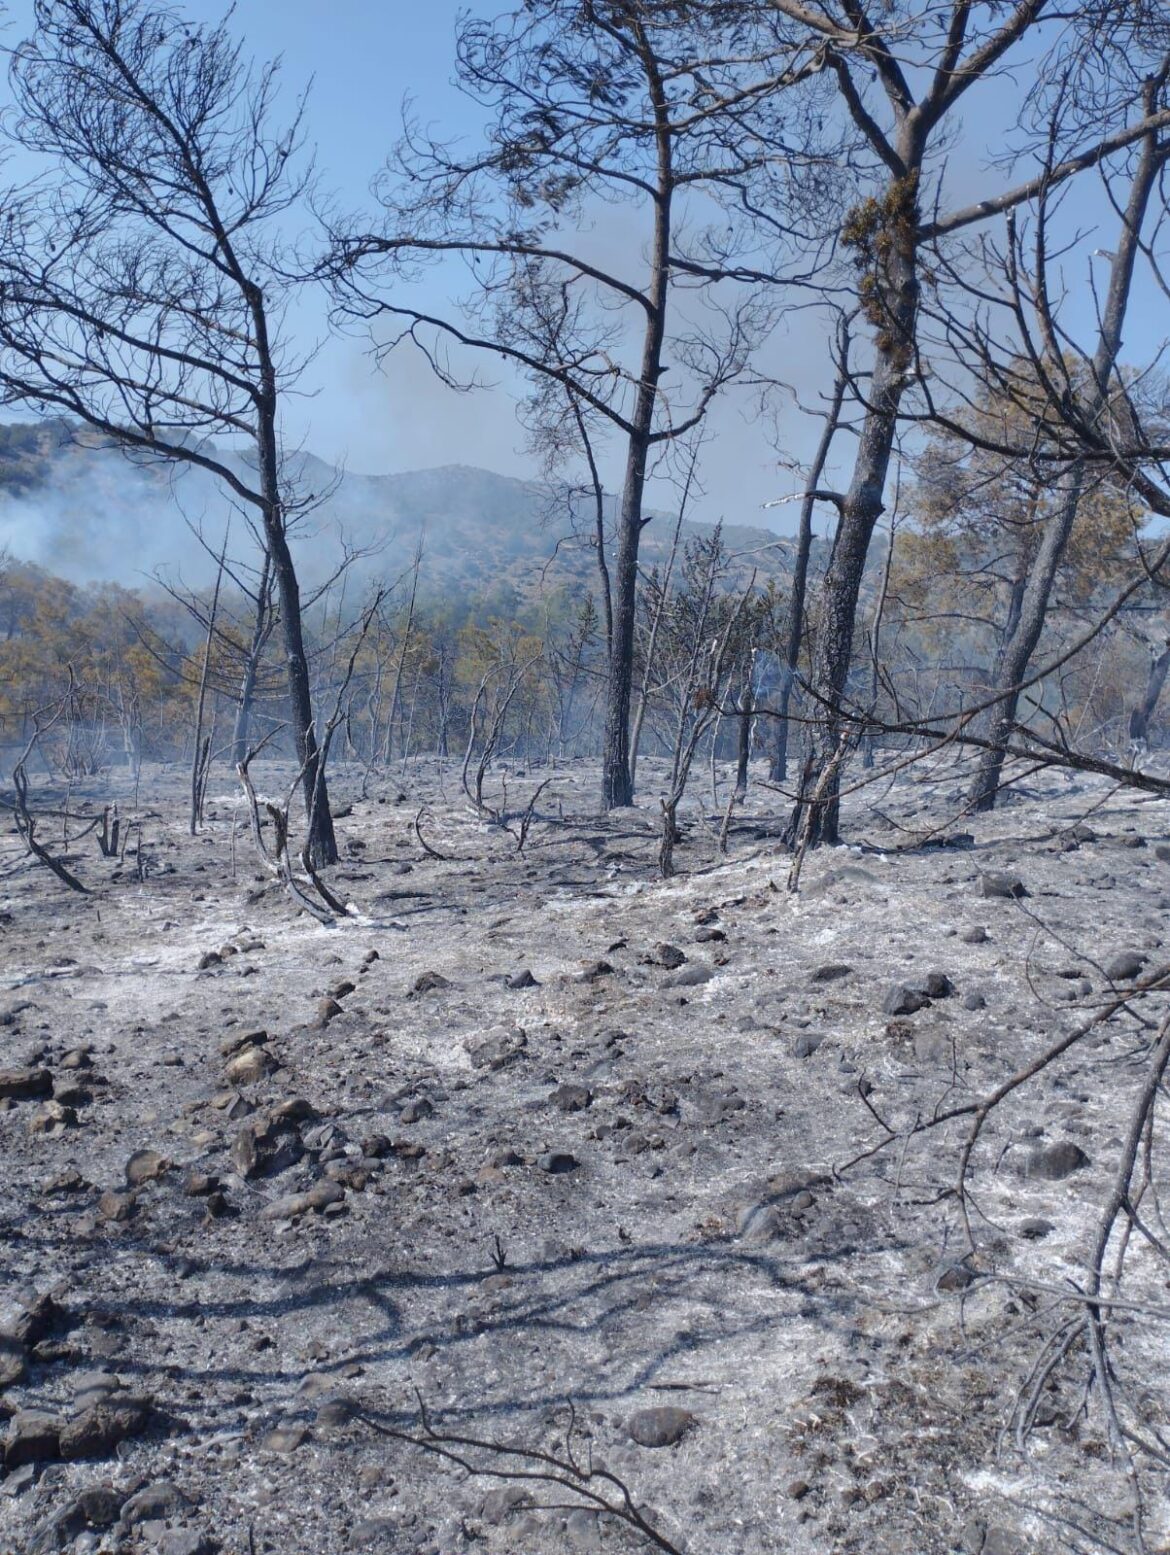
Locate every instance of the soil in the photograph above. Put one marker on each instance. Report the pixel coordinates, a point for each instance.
(296, 1182)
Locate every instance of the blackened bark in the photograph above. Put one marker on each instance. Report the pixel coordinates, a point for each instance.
(1017, 651)
(1139, 718)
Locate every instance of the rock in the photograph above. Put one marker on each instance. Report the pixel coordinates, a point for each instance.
(669, 956)
(495, 1049)
(94, 1510)
(266, 1145)
(901, 999)
(208, 959)
(145, 1166)
(290, 1205)
(241, 1039)
(52, 1118)
(831, 972)
(33, 1436)
(797, 1489)
(415, 1111)
(592, 970)
(68, 1181)
(97, 1431)
(498, 1505)
(660, 1427)
(77, 1058)
(807, 1043)
(327, 1010)
(249, 1066)
(25, 1084)
(571, 1098)
(1051, 1163)
(429, 982)
(997, 884)
(285, 1438)
(1125, 967)
(157, 1501)
(376, 1146)
(343, 989)
(977, 935)
(974, 1001)
(187, 1541)
(374, 1533)
(557, 1162)
(937, 985)
(954, 1277)
(199, 1185)
(522, 979)
(689, 977)
(117, 1207)
(13, 1367)
(1035, 1228)
(583, 1530)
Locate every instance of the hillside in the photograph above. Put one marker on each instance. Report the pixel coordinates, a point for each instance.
(88, 512)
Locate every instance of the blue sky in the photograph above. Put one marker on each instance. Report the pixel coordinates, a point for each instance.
(364, 60)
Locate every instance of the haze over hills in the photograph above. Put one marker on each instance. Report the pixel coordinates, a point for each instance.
(83, 509)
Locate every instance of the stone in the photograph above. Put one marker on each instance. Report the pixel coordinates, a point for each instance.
(955, 1277)
(937, 985)
(1035, 1228)
(807, 1043)
(208, 959)
(583, 1530)
(52, 1118)
(290, 1205)
(97, 1431)
(66, 1182)
(158, 1500)
(669, 956)
(416, 1110)
(327, 1010)
(498, 1505)
(25, 1084)
(571, 1098)
(1052, 1163)
(689, 977)
(1125, 967)
(343, 989)
(146, 1166)
(997, 884)
(429, 982)
(831, 972)
(241, 1039)
(522, 979)
(200, 1185)
(661, 1426)
(557, 1162)
(33, 1436)
(117, 1207)
(249, 1066)
(266, 1145)
(285, 1439)
(976, 935)
(974, 1001)
(187, 1541)
(374, 1533)
(901, 999)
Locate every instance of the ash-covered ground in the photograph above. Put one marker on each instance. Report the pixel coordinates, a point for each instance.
(559, 1151)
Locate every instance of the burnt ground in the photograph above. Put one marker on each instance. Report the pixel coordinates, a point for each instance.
(613, 1186)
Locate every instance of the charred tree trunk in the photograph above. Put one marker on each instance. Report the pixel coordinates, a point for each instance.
(1139, 718)
(322, 844)
(795, 637)
(1017, 650)
(617, 776)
